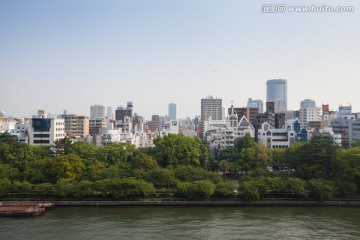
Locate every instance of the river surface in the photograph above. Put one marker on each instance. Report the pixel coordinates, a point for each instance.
(72, 223)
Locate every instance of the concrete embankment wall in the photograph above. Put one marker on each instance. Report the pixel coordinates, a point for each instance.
(208, 203)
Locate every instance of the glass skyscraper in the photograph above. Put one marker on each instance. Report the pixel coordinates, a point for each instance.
(276, 91)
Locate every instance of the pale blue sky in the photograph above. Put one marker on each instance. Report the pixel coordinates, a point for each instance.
(72, 54)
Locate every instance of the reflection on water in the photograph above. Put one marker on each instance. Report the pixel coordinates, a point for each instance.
(186, 223)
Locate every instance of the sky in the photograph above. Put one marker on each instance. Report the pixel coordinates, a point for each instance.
(68, 55)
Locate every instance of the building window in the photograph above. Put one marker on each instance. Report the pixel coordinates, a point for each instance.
(41, 141)
(41, 135)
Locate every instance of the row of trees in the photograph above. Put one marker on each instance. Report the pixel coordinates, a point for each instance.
(180, 166)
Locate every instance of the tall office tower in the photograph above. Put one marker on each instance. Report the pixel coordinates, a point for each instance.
(276, 91)
(109, 112)
(211, 109)
(172, 111)
(307, 103)
(130, 108)
(256, 104)
(97, 111)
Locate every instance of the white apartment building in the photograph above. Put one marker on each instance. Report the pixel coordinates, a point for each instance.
(309, 114)
(276, 138)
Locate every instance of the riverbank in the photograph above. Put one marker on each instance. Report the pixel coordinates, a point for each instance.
(343, 203)
(23, 208)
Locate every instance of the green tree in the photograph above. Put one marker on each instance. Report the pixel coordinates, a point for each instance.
(312, 158)
(175, 149)
(320, 189)
(191, 174)
(83, 188)
(45, 189)
(254, 157)
(94, 171)
(161, 177)
(69, 166)
(85, 150)
(5, 186)
(249, 191)
(144, 162)
(115, 153)
(346, 170)
(225, 190)
(296, 186)
(42, 170)
(224, 166)
(279, 159)
(9, 172)
(62, 146)
(202, 189)
(63, 187)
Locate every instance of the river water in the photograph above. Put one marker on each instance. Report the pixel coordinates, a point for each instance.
(186, 223)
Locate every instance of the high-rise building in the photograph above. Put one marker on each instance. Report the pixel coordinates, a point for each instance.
(97, 111)
(172, 111)
(211, 109)
(307, 103)
(276, 91)
(109, 112)
(256, 104)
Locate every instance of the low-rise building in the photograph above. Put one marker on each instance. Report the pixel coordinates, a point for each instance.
(276, 138)
(44, 130)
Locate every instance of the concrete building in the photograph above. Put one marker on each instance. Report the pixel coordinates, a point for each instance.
(249, 112)
(244, 127)
(21, 131)
(173, 127)
(280, 119)
(97, 111)
(276, 138)
(309, 114)
(221, 138)
(211, 109)
(44, 130)
(172, 111)
(345, 112)
(95, 125)
(342, 126)
(76, 126)
(121, 113)
(154, 124)
(256, 104)
(276, 91)
(109, 112)
(354, 131)
(327, 132)
(307, 103)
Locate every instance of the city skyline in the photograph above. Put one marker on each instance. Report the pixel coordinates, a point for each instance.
(67, 55)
